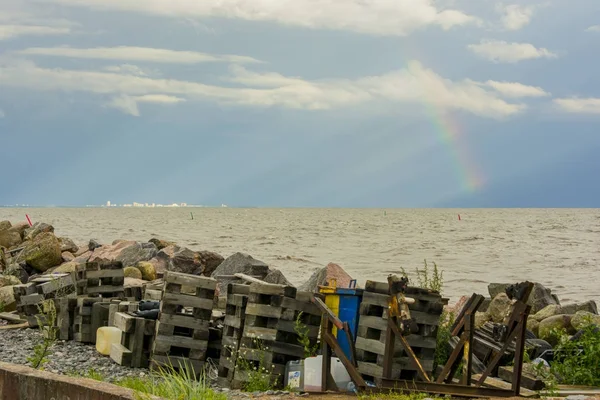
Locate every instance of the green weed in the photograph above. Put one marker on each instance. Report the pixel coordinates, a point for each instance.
(576, 362)
(46, 320)
(302, 330)
(443, 349)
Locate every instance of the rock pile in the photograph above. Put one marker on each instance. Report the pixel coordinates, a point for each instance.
(547, 314)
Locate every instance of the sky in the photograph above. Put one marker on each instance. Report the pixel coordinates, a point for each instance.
(300, 103)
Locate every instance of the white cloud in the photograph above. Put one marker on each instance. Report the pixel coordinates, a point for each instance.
(127, 69)
(137, 54)
(516, 89)
(159, 99)
(578, 105)
(413, 85)
(129, 104)
(504, 52)
(593, 28)
(13, 31)
(16, 20)
(515, 16)
(126, 104)
(376, 17)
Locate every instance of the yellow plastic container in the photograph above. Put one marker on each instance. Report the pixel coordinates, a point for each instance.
(105, 337)
(332, 300)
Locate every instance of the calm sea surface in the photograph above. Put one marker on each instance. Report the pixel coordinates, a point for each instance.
(559, 248)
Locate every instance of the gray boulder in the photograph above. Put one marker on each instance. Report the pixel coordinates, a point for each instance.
(10, 238)
(179, 259)
(36, 229)
(549, 311)
(7, 297)
(277, 277)
(500, 307)
(494, 289)
(549, 327)
(161, 244)
(17, 271)
(583, 318)
(67, 244)
(239, 263)
(540, 296)
(127, 252)
(93, 245)
(589, 306)
(210, 261)
(324, 275)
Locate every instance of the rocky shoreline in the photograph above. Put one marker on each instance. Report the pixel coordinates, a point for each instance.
(27, 252)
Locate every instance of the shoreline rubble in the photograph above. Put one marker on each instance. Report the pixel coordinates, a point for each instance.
(29, 252)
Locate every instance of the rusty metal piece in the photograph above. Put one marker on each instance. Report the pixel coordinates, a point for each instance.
(392, 385)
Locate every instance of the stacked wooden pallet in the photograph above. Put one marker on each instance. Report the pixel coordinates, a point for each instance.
(233, 326)
(372, 331)
(30, 297)
(101, 279)
(269, 339)
(182, 330)
(137, 338)
(65, 317)
(85, 324)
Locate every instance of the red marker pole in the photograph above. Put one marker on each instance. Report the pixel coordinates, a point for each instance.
(459, 217)
(28, 220)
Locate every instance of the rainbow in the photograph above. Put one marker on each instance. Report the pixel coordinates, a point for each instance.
(465, 168)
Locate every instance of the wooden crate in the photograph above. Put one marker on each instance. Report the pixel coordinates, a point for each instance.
(137, 338)
(372, 331)
(101, 279)
(182, 329)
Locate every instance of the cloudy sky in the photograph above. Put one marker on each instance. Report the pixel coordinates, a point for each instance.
(351, 103)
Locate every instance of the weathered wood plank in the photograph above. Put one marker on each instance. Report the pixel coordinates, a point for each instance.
(188, 301)
(121, 355)
(200, 282)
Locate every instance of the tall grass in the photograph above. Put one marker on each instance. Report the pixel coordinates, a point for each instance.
(171, 383)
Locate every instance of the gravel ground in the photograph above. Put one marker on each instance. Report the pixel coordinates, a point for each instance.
(68, 357)
(74, 358)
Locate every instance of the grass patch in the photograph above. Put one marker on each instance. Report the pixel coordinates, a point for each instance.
(395, 396)
(171, 383)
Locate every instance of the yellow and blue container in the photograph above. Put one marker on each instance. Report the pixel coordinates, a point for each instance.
(345, 304)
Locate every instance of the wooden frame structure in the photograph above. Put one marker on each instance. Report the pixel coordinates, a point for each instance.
(464, 328)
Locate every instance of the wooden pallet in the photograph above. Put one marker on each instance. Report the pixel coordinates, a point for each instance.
(372, 332)
(182, 330)
(30, 297)
(121, 306)
(269, 337)
(137, 338)
(101, 279)
(65, 317)
(233, 326)
(82, 322)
